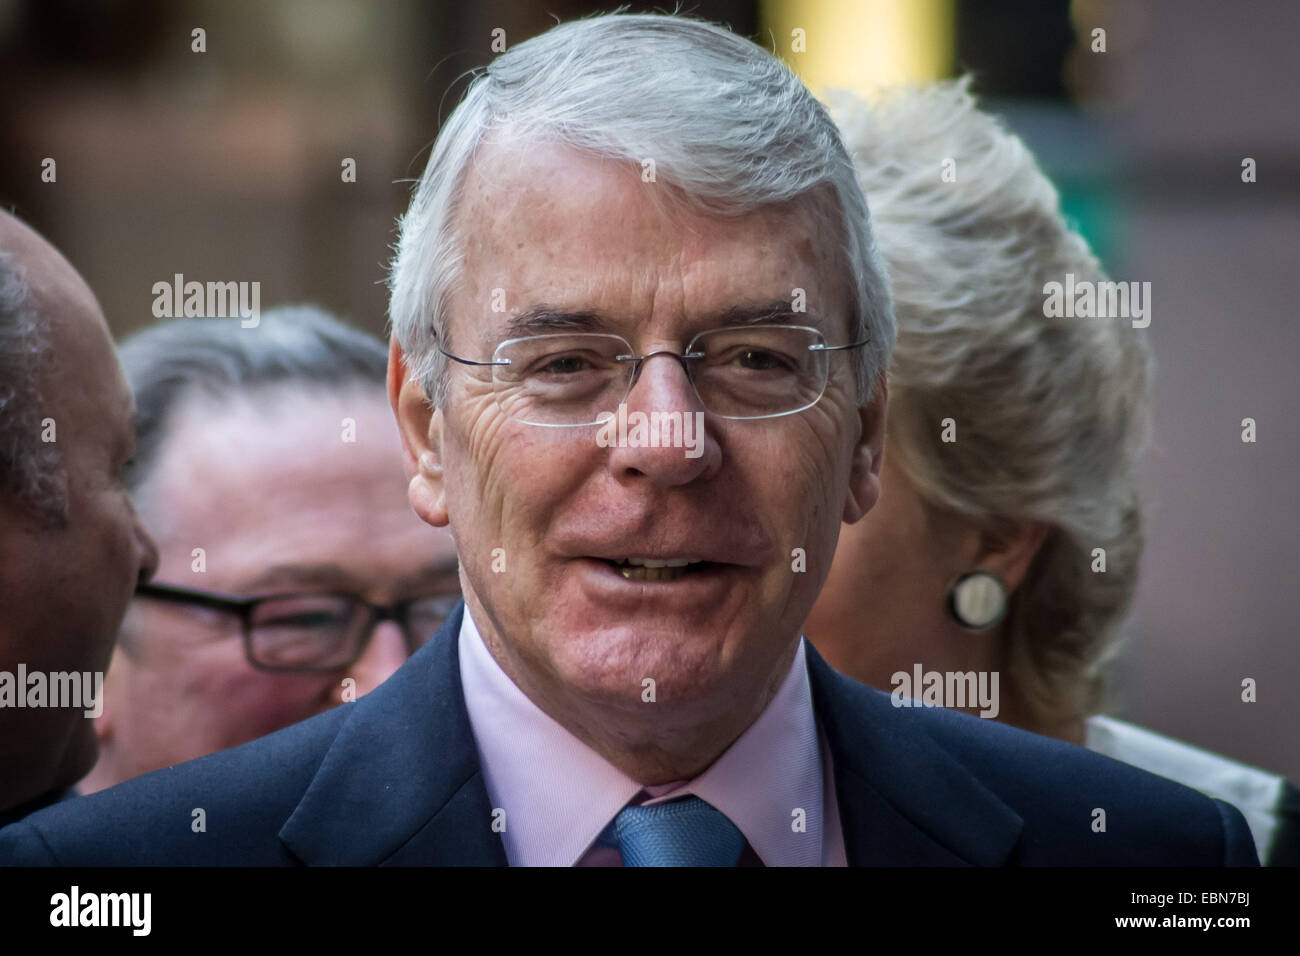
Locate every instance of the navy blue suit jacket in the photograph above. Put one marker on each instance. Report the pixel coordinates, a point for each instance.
(394, 779)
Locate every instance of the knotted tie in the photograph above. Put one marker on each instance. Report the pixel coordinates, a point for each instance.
(685, 832)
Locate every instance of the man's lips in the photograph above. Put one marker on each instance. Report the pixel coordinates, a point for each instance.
(704, 552)
(658, 571)
(653, 552)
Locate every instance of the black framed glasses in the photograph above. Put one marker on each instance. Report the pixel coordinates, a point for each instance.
(738, 372)
(313, 633)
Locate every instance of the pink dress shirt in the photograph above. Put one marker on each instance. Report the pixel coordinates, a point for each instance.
(558, 794)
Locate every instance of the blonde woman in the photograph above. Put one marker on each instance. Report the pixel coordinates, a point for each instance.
(1011, 445)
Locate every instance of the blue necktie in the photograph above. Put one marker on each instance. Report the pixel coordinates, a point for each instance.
(685, 832)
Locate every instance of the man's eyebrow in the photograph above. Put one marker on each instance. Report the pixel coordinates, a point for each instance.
(330, 576)
(544, 319)
(774, 312)
(336, 578)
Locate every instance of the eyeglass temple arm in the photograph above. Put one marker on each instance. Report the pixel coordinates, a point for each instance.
(220, 602)
(465, 361)
(837, 348)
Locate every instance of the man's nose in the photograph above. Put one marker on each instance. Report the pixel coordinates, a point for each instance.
(384, 654)
(675, 447)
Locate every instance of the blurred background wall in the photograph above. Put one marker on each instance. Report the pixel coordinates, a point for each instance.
(226, 165)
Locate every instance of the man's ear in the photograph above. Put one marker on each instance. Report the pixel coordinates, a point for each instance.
(420, 426)
(868, 453)
(1007, 547)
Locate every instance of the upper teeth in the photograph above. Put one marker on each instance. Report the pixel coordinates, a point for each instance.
(653, 563)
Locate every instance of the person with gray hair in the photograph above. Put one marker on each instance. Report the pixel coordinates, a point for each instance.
(293, 576)
(1008, 534)
(639, 333)
(72, 548)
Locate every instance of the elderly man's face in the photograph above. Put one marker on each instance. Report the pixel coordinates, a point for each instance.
(280, 504)
(538, 513)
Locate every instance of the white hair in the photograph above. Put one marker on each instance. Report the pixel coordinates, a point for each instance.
(728, 125)
(1051, 413)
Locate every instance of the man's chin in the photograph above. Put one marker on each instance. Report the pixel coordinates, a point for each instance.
(625, 666)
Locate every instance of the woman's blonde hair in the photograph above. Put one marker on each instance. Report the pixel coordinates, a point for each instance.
(1050, 413)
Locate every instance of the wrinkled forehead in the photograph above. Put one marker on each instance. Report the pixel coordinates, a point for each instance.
(547, 229)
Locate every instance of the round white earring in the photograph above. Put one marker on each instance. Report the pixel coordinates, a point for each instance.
(977, 601)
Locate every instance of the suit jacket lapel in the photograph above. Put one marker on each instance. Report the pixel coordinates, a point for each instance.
(401, 783)
(903, 800)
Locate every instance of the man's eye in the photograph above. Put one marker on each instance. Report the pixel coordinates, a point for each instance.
(563, 365)
(305, 619)
(761, 360)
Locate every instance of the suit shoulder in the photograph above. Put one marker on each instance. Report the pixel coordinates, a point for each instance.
(1076, 807)
(225, 806)
(1132, 816)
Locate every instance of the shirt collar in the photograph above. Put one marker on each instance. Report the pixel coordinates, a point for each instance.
(558, 794)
